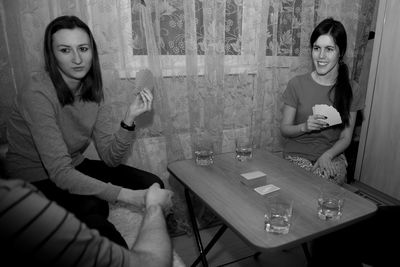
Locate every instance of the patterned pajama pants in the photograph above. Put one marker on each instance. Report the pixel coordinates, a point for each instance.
(340, 162)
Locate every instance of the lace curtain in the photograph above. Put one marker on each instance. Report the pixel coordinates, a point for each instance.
(220, 65)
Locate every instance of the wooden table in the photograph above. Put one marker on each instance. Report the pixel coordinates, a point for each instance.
(234, 200)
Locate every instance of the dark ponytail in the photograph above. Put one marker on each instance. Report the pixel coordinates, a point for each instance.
(343, 94)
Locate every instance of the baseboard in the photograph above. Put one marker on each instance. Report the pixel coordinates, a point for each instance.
(373, 194)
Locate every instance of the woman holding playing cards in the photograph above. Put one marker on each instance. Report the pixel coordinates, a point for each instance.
(54, 120)
(316, 142)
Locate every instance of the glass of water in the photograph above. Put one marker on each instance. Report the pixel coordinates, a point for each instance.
(330, 202)
(278, 214)
(204, 150)
(244, 148)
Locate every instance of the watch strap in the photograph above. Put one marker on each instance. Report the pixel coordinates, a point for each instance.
(127, 127)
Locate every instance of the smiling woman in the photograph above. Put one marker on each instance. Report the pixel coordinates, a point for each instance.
(311, 142)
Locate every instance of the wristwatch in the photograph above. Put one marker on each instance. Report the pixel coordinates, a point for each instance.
(127, 127)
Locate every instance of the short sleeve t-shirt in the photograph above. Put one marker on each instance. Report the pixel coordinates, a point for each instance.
(303, 93)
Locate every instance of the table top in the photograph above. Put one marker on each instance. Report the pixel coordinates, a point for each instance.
(234, 200)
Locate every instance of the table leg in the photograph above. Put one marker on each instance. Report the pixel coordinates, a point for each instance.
(211, 243)
(306, 252)
(195, 229)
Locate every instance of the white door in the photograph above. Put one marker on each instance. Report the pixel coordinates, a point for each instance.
(378, 160)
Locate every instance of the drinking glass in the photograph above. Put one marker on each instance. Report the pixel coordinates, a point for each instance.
(278, 215)
(330, 202)
(203, 151)
(244, 148)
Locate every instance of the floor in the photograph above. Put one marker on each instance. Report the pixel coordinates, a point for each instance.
(231, 251)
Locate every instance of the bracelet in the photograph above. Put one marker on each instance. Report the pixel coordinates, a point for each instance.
(127, 127)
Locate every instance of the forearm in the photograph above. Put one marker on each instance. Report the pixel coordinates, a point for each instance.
(34, 217)
(133, 197)
(338, 148)
(344, 140)
(289, 130)
(153, 245)
(112, 143)
(112, 148)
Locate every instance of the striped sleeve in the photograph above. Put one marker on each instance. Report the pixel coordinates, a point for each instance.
(34, 230)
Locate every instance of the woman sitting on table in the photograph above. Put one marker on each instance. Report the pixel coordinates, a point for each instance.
(311, 142)
(54, 120)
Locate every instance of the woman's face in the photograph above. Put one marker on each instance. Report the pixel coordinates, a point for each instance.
(73, 52)
(325, 56)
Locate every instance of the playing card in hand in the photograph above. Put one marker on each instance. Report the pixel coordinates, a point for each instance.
(144, 79)
(331, 114)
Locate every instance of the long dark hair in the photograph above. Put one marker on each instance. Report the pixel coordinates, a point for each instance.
(92, 85)
(343, 95)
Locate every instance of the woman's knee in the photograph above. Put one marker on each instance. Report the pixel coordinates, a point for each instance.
(156, 179)
(93, 205)
(148, 179)
(133, 178)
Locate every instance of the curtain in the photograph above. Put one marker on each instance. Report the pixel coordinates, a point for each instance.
(220, 66)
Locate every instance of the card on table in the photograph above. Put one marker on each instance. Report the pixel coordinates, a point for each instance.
(265, 189)
(253, 175)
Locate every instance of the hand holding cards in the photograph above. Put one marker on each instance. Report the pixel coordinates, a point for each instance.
(144, 79)
(142, 103)
(331, 114)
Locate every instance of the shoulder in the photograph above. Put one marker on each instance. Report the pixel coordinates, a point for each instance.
(299, 82)
(300, 79)
(43, 85)
(39, 90)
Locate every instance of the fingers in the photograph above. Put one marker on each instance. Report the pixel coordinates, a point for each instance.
(147, 98)
(315, 122)
(315, 166)
(329, 169)
(332, 170)
(155, 185)
(318, 117)
(147, 94)
(158, 196)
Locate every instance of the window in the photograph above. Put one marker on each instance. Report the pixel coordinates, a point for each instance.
(241, 26)
(172, 28)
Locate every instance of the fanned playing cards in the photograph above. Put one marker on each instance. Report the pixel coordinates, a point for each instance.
(331, 114)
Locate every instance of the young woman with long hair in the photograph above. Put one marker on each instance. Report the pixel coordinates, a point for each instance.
(54, 120)
(310, 141)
